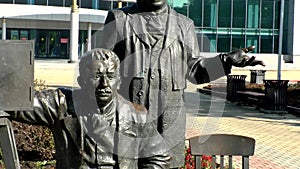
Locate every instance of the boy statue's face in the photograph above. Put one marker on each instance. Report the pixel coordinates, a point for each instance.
(104, 81)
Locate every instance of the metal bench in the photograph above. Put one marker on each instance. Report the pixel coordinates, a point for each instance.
(251, 98)
(222, 145)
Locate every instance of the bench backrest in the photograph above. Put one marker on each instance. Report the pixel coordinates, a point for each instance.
(222, 145)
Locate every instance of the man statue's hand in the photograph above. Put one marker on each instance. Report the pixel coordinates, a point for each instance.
(239, 58)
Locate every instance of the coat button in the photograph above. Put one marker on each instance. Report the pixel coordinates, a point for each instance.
(140, 93)
(152, 76)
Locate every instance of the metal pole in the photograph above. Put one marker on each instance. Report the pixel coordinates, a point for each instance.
(119, 4)
(3, 29)
(74, 32)
(89, 45)
(280, 39)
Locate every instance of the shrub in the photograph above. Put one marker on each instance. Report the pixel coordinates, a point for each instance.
(34, 143)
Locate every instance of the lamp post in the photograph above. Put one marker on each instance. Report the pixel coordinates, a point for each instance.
(280, 39)
(74, 32)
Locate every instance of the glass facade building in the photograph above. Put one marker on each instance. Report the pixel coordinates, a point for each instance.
(221, 25)
(91, 4)
(224, 25)
(49, 43)
(55, 43)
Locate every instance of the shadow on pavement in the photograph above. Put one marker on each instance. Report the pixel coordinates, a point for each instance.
(198, 104)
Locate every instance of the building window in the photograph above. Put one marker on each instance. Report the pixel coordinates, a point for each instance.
(267, 14)
(21, 1)
(238, 41)
(277, 13)
(24, 35)
(32, 34)
(267, 43)
(253, 12)
(195, 12)
(41, 2)
(14, 35)
(68, 3)
(105, 5)
(239, 14)
(7, 1)
(86, 4)
(30, 2)
(55, 2)
(210, 13)
(114, 5)
(224, 18)
(129, 3)
(223, 43)
(231, 24)
(95, 4)
(52, 43)
(253, 40)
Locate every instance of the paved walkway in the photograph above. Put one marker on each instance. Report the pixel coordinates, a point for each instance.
(277, 136)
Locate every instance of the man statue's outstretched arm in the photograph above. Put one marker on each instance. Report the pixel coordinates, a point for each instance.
(204, 70)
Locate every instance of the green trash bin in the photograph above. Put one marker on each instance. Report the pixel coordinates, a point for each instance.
(276, 94)
(235, 83)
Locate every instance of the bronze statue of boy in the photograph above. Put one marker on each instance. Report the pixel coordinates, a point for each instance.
(93, 126)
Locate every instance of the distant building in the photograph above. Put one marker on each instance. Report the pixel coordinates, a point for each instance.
(221, 25)
(48, 23)
(231, 24)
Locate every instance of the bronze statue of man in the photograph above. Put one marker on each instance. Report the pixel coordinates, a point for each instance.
(93, 126)
(158, 50)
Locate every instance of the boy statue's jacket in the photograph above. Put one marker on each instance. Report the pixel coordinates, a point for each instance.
(87, 138)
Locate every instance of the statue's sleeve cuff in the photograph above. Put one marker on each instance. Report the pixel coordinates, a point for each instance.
(226, 64)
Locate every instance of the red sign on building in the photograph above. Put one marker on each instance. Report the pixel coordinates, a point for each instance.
(64, 40)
